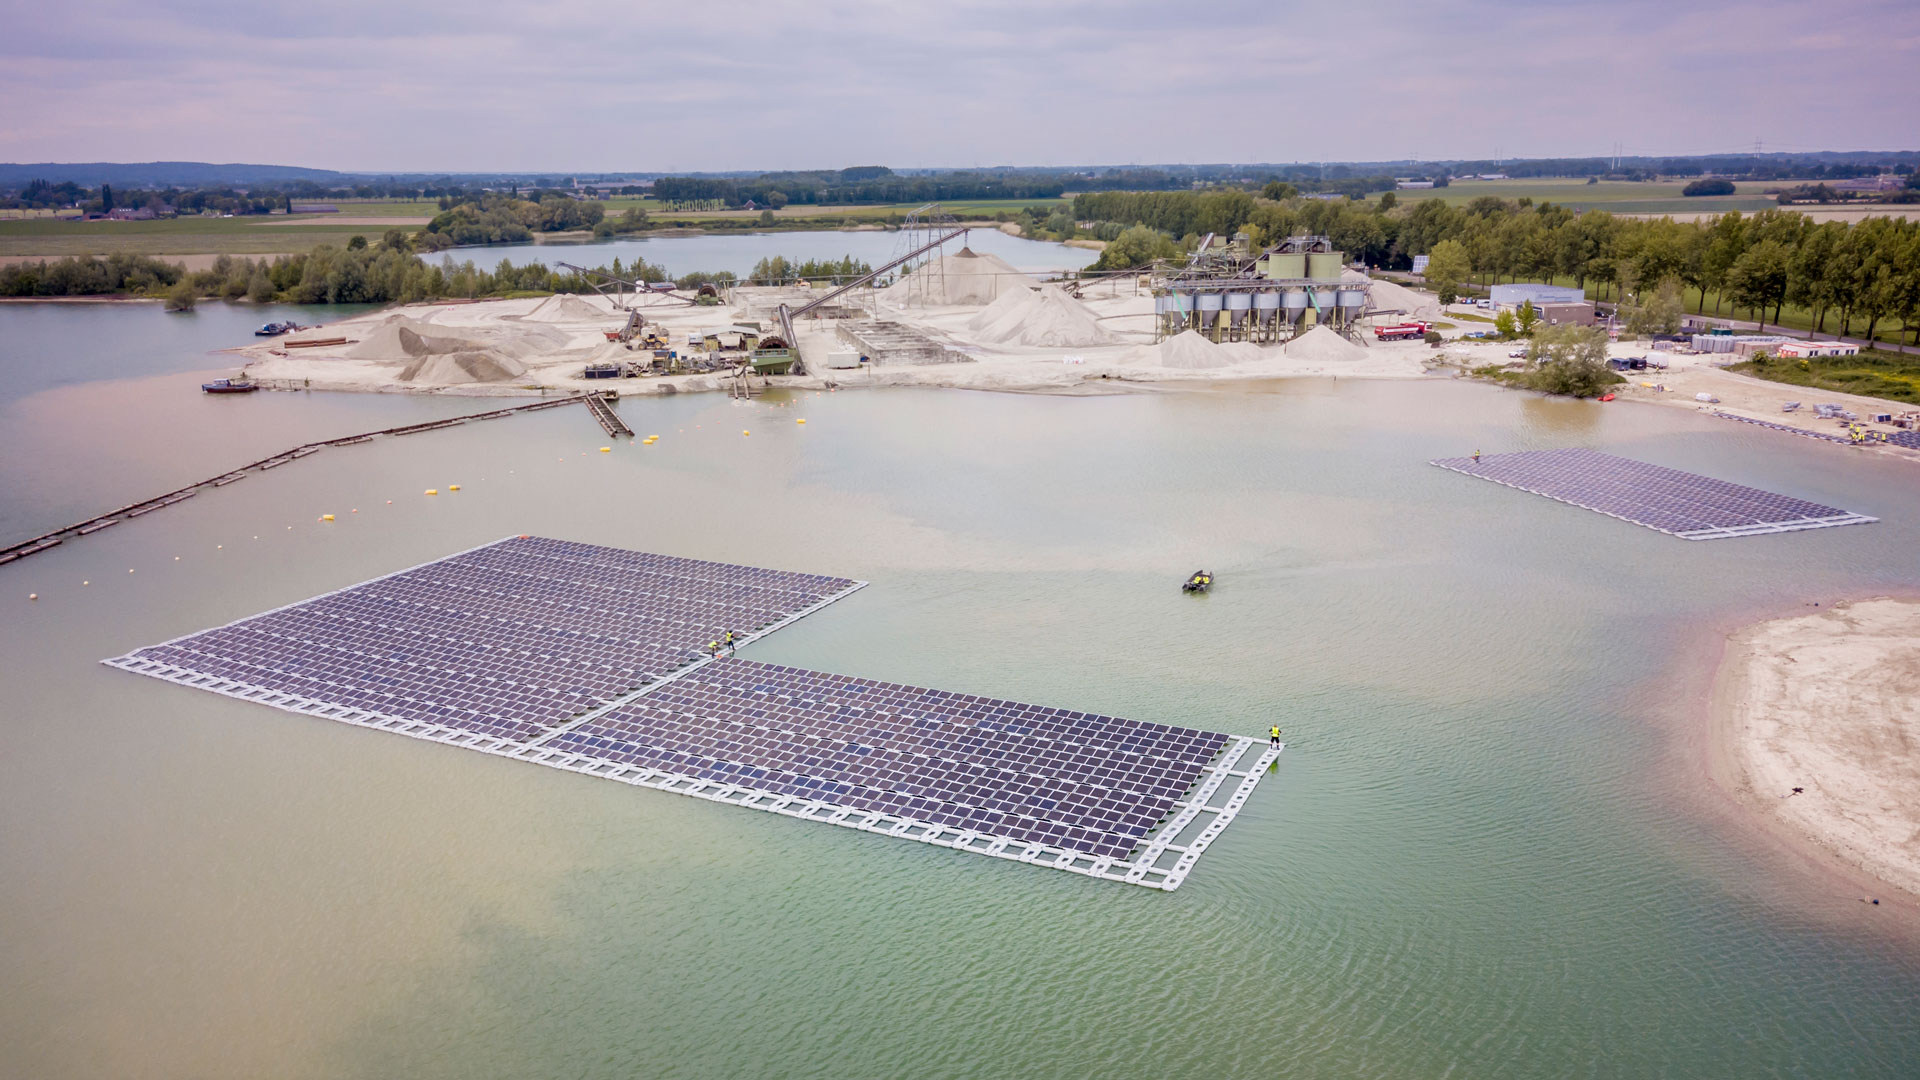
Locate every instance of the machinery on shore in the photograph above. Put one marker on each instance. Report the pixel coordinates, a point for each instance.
(1229, 292)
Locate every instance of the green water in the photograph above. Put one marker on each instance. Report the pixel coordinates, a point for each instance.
(1487, 851)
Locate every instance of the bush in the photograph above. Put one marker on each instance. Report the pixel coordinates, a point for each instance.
(1709, 187)
(181, 297)
(1570, 360)
(1431, 337)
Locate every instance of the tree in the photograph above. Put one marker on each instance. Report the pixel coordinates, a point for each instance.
(181, 297)
(1709, 187)
(1505, 325)
(1526, 318)
(1389, 201)
(1135, 247)
(106, 200)
(1758, 279)
(1653, 311)
(1447, 267)
(1571, 360)
(1278, 191)
(357, 243)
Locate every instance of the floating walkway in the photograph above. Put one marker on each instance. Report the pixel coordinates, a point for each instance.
(111, 518)
(609, 420)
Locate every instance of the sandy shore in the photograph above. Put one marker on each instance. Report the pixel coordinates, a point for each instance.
(1103, 341)
(1829, 703)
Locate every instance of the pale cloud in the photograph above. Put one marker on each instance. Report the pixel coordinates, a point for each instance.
(606, 85)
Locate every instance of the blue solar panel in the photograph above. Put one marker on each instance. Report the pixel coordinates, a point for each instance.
(1682, 504)
(509, 640)
(1074, 780)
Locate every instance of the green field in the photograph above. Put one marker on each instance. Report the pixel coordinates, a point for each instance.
(1615, 196)
(1872, 373)
(1890, 331)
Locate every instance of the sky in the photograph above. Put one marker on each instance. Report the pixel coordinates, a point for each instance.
(643, 86)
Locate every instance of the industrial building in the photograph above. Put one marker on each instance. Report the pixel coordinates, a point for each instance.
(1808, 350)
(1535, 293)
(1577, 314)
(1228, 293)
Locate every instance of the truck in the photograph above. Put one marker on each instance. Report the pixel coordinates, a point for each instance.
(1402, 331)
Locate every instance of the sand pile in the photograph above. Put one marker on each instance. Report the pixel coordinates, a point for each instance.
(401, 339)
(566, 308)
(458, 368)
(1321, 345)
(1418, 305)
(1044, 317)
(967, 277)
(1190, 351)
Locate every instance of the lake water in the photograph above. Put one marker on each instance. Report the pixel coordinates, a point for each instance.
(1479, 856)
(738, 252)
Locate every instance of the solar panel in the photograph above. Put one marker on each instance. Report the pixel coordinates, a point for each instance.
(593, 660)
(507, 641)
(1677, 503)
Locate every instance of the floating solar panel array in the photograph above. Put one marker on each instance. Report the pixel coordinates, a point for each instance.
(595, 660)
(1682, 504)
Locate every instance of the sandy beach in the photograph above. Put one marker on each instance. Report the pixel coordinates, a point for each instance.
(1828, 704)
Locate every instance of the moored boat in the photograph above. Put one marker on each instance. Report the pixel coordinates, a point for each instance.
(239, 385)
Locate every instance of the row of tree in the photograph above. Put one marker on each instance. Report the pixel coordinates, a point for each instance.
(1844, 275)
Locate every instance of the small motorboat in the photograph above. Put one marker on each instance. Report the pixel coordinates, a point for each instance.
(1201, 581)
(239, 385)
(275, 329)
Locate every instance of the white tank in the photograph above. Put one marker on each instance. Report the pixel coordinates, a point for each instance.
(1353, 299)
(1294, 300)
(1323, 298)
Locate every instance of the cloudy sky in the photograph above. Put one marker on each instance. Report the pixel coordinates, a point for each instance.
(604, 85)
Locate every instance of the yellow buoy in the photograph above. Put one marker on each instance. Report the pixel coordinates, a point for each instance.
(606, 449)
(453, 487)
(800, 421)
(746, 433)
(326, 517)
(433, 491)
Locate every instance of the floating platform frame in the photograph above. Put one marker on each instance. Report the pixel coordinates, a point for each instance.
(1161, 859)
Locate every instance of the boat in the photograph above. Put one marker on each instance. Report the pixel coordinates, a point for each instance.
(1201, 581)
(275, 329)
(240, 385)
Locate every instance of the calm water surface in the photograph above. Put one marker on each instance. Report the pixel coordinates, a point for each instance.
(738, 252)
(1469, 863)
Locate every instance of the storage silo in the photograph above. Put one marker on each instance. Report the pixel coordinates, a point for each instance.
(1353, 303)
(1208, 305)
(1287, 266)
(1266, 311)
(1238, 305)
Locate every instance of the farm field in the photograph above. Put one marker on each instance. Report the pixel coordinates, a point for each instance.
(1616, 196)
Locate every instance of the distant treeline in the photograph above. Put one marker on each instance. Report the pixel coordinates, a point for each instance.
(360, 273)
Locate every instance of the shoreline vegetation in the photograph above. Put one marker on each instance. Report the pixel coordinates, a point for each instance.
(1815, 728)
(1852, 278)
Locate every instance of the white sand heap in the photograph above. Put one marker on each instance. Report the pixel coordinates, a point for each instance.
(1189, 351)
(566, 308)
(1321, 345)
(1390, 295)
(1044, 317)
(400, 339)
(459, 368)
(967, 277)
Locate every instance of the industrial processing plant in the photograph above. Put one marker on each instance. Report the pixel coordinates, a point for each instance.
(1229, 293)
